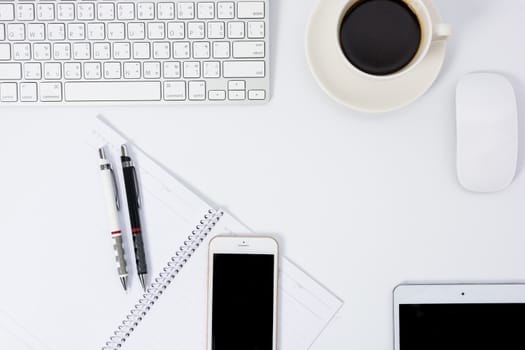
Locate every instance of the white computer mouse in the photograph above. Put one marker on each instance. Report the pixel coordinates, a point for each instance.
(487, 132)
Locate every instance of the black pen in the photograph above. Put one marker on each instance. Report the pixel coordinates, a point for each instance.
(133, 197)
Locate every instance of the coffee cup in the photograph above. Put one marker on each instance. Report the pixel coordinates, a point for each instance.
(384, 39)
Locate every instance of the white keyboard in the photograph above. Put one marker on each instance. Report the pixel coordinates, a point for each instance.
(70, 52)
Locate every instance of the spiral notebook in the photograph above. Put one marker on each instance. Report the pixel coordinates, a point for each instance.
(172, 314)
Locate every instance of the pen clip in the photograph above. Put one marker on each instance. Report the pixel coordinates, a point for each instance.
(137, 190)
(115, 189)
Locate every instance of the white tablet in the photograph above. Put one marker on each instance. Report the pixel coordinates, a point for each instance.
(459, 317)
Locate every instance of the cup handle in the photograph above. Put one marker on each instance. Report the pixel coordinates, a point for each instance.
(441, 31)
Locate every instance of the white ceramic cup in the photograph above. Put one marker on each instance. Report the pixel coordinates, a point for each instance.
(430, 32)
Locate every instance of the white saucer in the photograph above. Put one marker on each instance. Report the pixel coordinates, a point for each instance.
(351, 88)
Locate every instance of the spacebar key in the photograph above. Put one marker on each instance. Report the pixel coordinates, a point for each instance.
(112, 91)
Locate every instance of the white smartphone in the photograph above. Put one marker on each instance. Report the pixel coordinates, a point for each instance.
(242, 293)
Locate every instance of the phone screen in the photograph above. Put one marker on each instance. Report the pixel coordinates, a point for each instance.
(242, 302)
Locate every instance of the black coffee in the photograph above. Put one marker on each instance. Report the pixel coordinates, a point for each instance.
(380, 37)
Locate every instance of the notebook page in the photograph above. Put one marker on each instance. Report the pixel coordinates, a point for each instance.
(306, 307)
(179, 317)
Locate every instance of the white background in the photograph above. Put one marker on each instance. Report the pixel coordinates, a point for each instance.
(361, 202)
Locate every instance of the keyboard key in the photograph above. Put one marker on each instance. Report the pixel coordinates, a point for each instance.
(7, 12)
(256, 94)
(151, 70)
(121, 51)
(76, 31)
(106, 11)
(126, 11)
(101, 51)
(61, 51)
(175, 90)
(243, 69)
(85, 11)
(196, 30)
(205, 10)
(5, 52)
(221, 49)
(45, 12)
(10, 71)
(42, 51)
(172, 70)
(217, 95)
(25, 12)
(8, 92)
(256, 30)
(92, 70)
(236, 85)
(186, 10)
(165, 10)
(235, 30)
(65, 11)
(211, 69)
(116, 31)
(21, 51)
(32, 71)
(250, 9)
(131, 70)
(216, 30)
(156, 30)
(141, 50)
(161, 50)
(2, 32)
(81, 51)
(96, 31)
(28, 92)
(201, 49)
(146, 10)
(236, 95)
(225, 10)
(52, 71)
(248, 49)
(56, 31)
(50, 92)
(112, 91)
(16, 32)
(136, 31)
(36, 31)
(197, 90)
(176, 30)
(112, 70)
(192, 69)
(181, 50)
(72, 70)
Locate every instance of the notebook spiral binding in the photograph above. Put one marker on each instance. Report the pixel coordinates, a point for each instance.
(168, 274)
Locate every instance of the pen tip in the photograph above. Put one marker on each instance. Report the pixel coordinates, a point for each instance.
(102, 153)
(142, 278)
(124, 150)
(124, 281)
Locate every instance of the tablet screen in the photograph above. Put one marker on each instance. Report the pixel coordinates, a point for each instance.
(461, 326)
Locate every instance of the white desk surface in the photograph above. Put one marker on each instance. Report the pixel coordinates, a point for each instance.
(361, 202)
